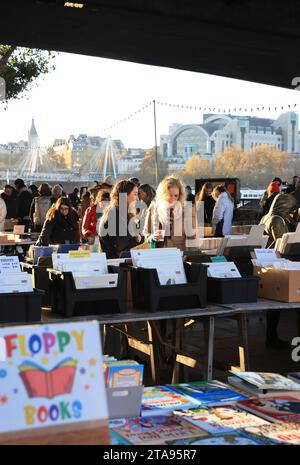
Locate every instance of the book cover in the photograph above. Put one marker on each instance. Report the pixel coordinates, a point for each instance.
(219, 420)
(116, 439)
(161, 399)
(155, 429)
(232, 439)
(124, 376)
(275, 408)
(279, 433)
(39, 382)
(208, 392)
(267, 380)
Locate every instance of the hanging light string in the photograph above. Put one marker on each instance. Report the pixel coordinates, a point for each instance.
(202, 108)
(224, 109)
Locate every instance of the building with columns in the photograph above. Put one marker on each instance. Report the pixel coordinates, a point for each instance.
(220, 131)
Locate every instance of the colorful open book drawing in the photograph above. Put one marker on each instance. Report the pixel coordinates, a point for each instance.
(42, 383)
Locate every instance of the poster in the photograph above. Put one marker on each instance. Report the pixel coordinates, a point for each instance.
(50, 375)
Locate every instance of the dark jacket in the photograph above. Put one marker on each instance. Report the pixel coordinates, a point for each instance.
(75, 200)
(296, 194)
(11, 202)
(268, 203)
(276, 222)
(60, 230)
(209, 205)
(24, 203)
(115, 243)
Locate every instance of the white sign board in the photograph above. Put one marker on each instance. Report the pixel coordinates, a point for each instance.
(9, 265)
(52, 376)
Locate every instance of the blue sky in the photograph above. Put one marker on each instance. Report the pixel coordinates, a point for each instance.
(86, 94)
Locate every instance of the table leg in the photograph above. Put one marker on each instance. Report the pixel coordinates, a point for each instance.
(209, 332)
(243, 342)
(153, 353)
(178, 328)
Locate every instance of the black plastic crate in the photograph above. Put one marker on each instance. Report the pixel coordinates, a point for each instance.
(69, 301)
(148, 294)
(21, 307)
(40, 277)
(232, 290)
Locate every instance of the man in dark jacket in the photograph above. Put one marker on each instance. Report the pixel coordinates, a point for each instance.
(279, 219)
(11, 201)
(24, 202)
(278, 222)
(75, 200)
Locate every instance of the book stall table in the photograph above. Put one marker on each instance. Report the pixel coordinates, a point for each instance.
(181, 320)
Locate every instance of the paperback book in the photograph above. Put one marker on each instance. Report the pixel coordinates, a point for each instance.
(264, 382)
(275, 408)
(159, 400)
(279, 433)
(208, 392)
(220, 420)
(156, 429)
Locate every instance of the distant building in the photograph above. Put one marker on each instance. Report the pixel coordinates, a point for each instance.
(33, 138)
(220, 131)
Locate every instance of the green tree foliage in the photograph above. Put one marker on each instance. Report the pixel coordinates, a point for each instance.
(20, 67)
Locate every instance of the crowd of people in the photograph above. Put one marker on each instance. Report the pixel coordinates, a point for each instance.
(120, 215)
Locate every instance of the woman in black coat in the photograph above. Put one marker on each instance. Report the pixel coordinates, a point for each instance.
(61, 225)
(118, 227)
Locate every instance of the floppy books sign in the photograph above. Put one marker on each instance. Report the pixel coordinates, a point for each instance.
(52, 375)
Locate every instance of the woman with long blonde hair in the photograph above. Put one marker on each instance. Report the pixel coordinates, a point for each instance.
(168, 222)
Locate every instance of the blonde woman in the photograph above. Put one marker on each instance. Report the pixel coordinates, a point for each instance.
(169, 222)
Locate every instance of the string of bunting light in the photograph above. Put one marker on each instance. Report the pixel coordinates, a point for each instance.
(228, 110)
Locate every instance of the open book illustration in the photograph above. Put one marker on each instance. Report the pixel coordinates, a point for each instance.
(39, 382)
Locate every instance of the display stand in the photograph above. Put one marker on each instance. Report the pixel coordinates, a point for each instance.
(69, 301)
(150, 295)
(232, 290)
(40, 279)
(21, 307)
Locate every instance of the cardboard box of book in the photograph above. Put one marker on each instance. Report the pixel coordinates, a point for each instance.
(279, 278)
(278, 284)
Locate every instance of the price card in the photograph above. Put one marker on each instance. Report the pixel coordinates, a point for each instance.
(9, 265)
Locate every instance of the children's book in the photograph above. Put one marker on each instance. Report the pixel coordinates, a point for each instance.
(266, 381)
(220, 420)
(208, 392)
(231, 439)
(156, 429)
(275, 408)
(279, 433)
(159, 400)
(39, 382)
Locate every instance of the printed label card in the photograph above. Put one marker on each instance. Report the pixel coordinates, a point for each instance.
(51, 375)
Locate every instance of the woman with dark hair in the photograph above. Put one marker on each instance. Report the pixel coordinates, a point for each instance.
(61, 225)
(117, 228)
(146, 196)
(40, 206)
(205, 195)
(93, 215)
(223, 212)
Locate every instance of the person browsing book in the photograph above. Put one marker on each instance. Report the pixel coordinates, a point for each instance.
(61, 225)
(167, 222)
(116, 229)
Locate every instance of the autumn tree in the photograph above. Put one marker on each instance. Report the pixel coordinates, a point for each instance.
(147, 171)
(20, 67)
(196, 167)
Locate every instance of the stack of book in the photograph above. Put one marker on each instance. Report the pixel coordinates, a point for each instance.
(211, 413)
(122, 373)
